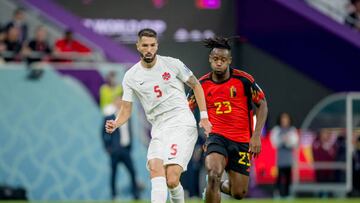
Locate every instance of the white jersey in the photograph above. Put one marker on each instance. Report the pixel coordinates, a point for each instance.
(160, 90)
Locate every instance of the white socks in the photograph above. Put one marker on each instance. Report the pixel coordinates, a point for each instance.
(158, 190)
(177, 194)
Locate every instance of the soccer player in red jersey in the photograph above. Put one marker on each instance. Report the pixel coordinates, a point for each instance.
(231, 95)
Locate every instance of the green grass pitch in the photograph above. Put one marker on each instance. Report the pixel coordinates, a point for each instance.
(298, 200)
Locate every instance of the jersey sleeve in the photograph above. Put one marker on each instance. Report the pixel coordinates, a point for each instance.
(183, 72)
(256, 93)
(191, 100)
(128, 92)
(252, 89)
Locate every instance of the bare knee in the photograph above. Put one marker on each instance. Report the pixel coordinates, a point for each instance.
(173, 173)
(239, 194)
(214, 177)
(156, 170)
(172, 181)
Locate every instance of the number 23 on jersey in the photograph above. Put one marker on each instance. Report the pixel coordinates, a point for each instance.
(223, 107)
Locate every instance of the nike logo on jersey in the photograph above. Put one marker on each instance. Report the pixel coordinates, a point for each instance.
(141, 83)
(171, 158)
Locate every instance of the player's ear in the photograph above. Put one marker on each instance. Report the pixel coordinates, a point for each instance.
(230, 60)
(138, 45)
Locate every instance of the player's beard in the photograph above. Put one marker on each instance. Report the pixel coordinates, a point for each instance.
(147, 58)
(221, 74)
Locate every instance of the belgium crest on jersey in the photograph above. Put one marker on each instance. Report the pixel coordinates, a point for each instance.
(232, 91)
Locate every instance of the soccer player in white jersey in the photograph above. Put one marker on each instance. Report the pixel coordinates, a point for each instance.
(158, 82)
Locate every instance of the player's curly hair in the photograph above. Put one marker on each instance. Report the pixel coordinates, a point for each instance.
(223, 42)
(217, 42)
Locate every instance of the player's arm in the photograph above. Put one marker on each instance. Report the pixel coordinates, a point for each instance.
(121, 118)
(195, 85)
(255, 140)
(192, 100)
(124, 113)
(261, 115)
(258, 98)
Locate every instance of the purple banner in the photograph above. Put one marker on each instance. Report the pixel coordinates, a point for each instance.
(90, 78)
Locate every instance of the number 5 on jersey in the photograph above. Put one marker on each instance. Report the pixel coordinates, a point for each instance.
(157, 91)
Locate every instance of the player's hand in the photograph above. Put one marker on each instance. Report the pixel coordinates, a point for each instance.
(205, 123)
(110, 126)
(255, 145)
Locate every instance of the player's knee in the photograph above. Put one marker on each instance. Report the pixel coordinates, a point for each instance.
(239, 194)
(214, 177)
(172, 181)
(156, 171)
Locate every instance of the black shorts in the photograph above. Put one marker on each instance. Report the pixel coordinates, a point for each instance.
(236, 153)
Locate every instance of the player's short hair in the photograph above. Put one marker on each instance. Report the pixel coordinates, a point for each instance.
(147, 32)
(217, 42)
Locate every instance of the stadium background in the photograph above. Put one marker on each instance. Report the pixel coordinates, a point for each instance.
(50, 128)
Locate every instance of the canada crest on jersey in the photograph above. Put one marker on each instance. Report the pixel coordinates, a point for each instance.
(166, 76)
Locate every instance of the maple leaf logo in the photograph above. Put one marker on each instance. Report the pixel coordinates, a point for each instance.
(166, 76)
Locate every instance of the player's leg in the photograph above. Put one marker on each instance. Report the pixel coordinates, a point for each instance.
(237, 185)
(215, 164)
(157, 171)
(178, 152)
(173, 173)
(238, 170)
(158, 181)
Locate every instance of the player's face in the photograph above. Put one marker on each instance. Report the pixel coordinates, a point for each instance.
(220, 59)
(147, 46)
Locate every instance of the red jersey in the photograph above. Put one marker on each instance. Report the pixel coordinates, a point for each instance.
(229, 104)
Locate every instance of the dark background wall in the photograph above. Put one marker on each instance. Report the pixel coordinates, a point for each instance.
(286, 88)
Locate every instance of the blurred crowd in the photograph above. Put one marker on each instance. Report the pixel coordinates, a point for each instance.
(330, 146)
(343, 11)
(328, 151)
(16, 46)
(353, 18)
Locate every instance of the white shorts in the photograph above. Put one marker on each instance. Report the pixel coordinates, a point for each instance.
(173, 145)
